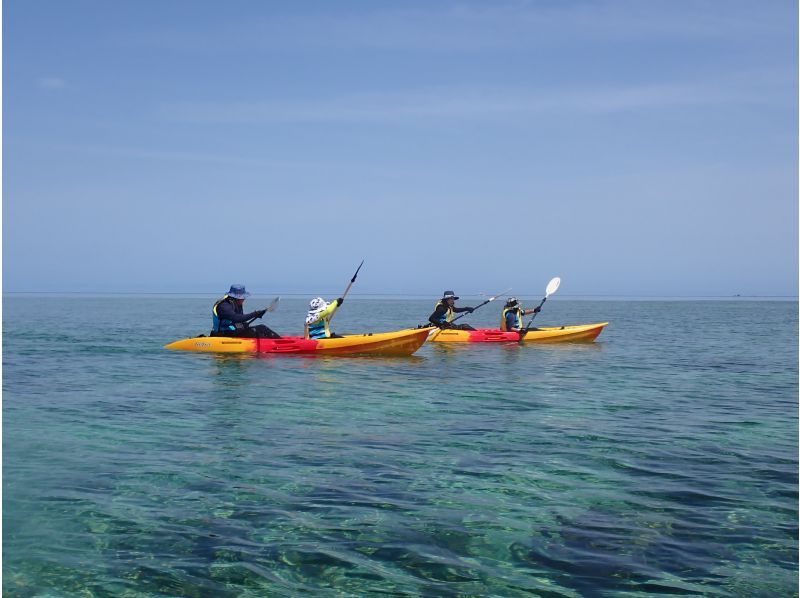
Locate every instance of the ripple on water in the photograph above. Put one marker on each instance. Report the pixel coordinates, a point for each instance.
(646, 463)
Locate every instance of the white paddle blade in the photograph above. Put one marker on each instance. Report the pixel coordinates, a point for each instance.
(274, 304)
(552, 286)
(508, 290)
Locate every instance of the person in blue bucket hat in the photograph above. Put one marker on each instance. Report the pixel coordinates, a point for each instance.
(228, 317)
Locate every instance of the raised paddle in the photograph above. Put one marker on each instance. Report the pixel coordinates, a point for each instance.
(271, 307)
(489, 300)
(552, 287)
(347, 290)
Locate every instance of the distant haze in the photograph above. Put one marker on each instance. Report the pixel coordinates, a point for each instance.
(629, 147)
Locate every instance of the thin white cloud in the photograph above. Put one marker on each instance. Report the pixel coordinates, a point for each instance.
(460, 104)
(51, 83)
(187, 156)
(466, 26)
(149, 154)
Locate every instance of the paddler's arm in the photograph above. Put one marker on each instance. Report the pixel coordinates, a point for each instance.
(225, 311)
(458, 310)
(328, 311)
(323, 315)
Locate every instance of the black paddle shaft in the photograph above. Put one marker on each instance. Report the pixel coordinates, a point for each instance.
(473, 309)
(352, 280)
(347, 290)
(528, 327)
(489, 300)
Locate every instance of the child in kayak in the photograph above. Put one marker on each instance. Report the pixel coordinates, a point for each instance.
(511, 317)
(442, 315)
(228, 317)
(319, 314)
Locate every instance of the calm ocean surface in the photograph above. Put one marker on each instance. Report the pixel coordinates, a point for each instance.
(662, 459)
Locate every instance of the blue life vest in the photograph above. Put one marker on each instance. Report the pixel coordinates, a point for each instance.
(517, 318)
(218, 324)
(318, 329)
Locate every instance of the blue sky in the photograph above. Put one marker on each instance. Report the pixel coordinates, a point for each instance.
(632, 148)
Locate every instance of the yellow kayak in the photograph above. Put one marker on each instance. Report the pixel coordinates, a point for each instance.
(555, 334)
(399, 342)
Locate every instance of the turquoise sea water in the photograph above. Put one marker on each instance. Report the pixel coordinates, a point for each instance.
(662, 459)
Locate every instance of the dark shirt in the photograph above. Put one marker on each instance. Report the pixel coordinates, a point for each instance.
(441, 310)
(231, 310)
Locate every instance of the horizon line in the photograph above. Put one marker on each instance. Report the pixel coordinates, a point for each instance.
(734, 296)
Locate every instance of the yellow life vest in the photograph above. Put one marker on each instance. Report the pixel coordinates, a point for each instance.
(448, 316)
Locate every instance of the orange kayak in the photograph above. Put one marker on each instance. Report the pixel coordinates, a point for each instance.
(399, 342)
(555, 334)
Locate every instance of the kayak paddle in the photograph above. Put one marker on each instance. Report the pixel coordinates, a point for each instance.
(552, 287)
(347, 290)
(273, 305)
(489, 300)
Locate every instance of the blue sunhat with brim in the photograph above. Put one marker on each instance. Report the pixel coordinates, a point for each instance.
(238, 291)
(449, 295)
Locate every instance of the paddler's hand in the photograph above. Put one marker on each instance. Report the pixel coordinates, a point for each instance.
(339, 301)
(537, 309)
(260, 313)
(469, 310)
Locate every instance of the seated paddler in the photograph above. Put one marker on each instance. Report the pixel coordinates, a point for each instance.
(442, 315)
(513, 312)
(228, 317)
(318, 318)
